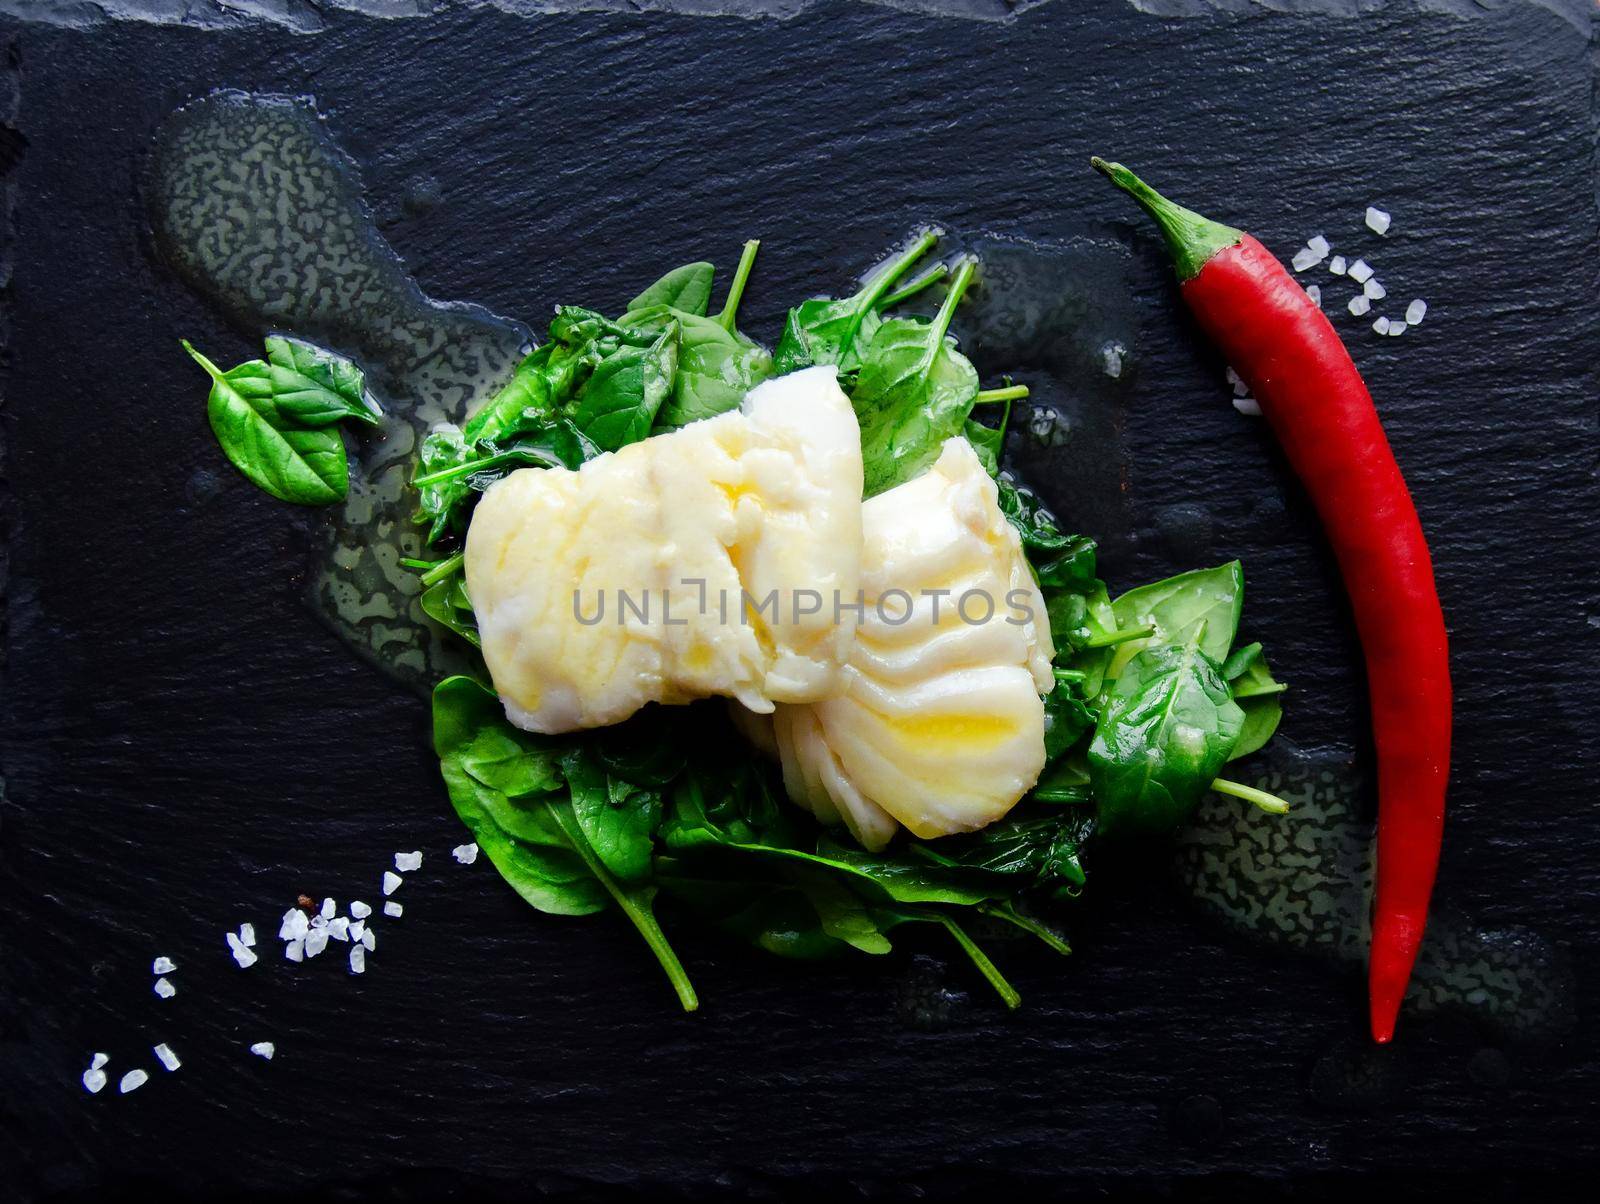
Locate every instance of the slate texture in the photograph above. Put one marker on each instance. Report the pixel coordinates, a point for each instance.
(184, 746)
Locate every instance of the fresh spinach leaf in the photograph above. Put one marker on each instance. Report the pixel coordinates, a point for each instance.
(618, 819)
(828, 331)
(274, 420)
(619, 402)
(1167, 726)
(914, 391)
(687, 288)
(1206, 599)
(1257, 693)
(446, 603)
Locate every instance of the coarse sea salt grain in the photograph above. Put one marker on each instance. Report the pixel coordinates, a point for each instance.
(391, 882)
(1359, 305)
(264, 1049)
(339, 929)
(1318, 244)
(1360, 271)
(1396, 326)
(1337, 265)
(165, 989)
(1374, 290)
(1381, 325)
(93, 1080)
(163, 965)
(241, 952)
(295, 950)
(99, 1060)
(295, 925)
(1248, 406)
(166, 1056)
(391, 908)
(407, 862)
(1377, 220)
(358, 960)
(316, 941)
(1304, 258)
(357, 929)
(360, 910)
(132, 1081)
(1416, 311)
(369, 940)
(466, 854)
(329, 909)
(1315, 294)
(247, 934)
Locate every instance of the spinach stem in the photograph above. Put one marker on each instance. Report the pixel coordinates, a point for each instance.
(741, 276)
(1070, 675)
(980, 959)
(443, 569)
(212, 370)
(878, 285)
(641, 915)
(1005, 911)
(1112, 639)
(1009, 393)
(947, 311)
(934, 274)
(1270, 803)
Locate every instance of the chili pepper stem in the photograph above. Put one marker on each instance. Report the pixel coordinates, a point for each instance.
(1191, 238)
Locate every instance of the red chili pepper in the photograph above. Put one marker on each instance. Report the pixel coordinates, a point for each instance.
(1284, 348)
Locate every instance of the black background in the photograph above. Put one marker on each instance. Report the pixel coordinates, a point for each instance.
(185, 746)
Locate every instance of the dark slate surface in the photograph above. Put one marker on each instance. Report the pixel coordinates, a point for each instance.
(184, 746)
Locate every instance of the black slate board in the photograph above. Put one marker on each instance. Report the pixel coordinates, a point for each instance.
(185, 746)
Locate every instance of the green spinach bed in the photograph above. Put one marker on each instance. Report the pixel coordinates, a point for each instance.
(670, 810)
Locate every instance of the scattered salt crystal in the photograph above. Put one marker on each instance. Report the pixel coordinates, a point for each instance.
(1359, 305)
(264, 1049)
(1416, 311)
(369, 940)
(1396, 326)
(1239, 390)
(329, 908)
(391, 908)
(391, 882)
(1374, 290)
(1315, 293)
(295, 950)
(132, 1081)
(1318, 244)
(1381, 325)
(360, 910)
(1111, 359)
(1304, 258)
(294, 925)
(247, 934)
(407, 862)
(245, 957)
(163, 965)
(1248, 406)
(167, 1057)
(98, 1061)
(1336, 265)
(466, 854)
(357, 929)
(165, 989)
(1377, 220)
(93, 1080)
(1360, 271)
(358, 960)
(339, 929)
(316, 941)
